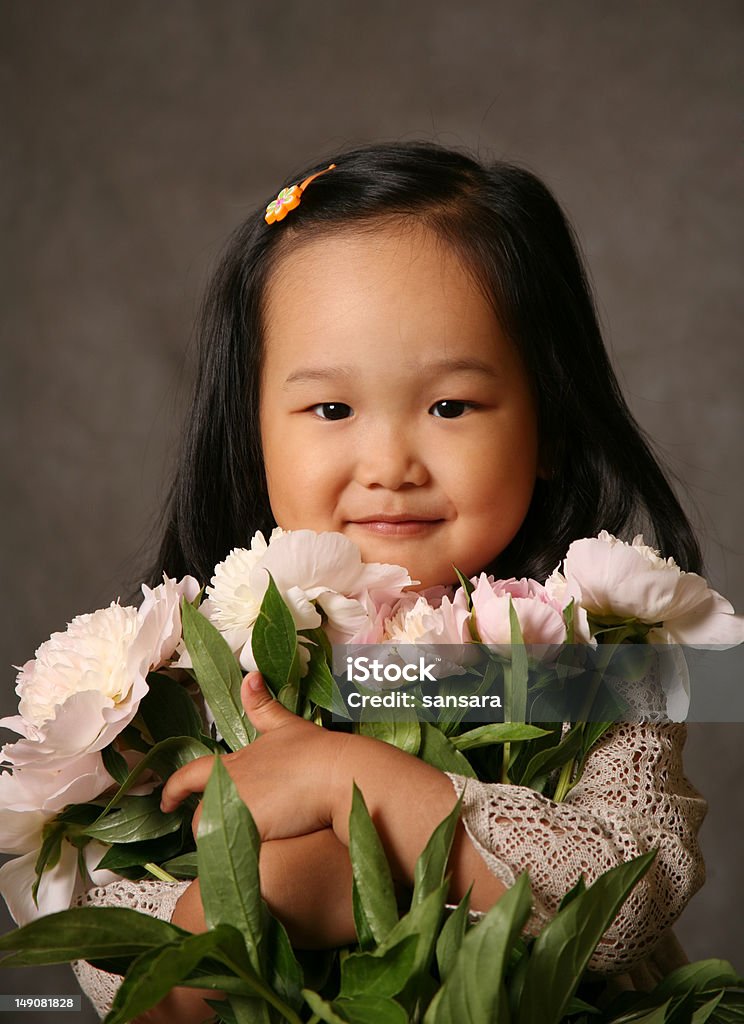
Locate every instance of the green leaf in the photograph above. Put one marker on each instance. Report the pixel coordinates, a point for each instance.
(49, 852)
(167, 709)
(577, 1005)
(287, 977)
(701, 976)
(451, 936)
(219, 675)
(370, 1009)
(150, 851)
(519, 960)
(449, 719)
(242, 1007)
(85, 933)
(562, 950)
(224, 1013)
(164, 758)
(422, 920)
(370, 870)
(657, 1015)
(379, 974)
(431, 865)
(553, 757)
(703, 1013)
(569, 620)
(497, 732)
(155, 972)
(438, 750)
(364, 933)
(359, 1010)
(227, 846)
(573, 893)
(115, 764)
(474, 990)
(516, 675)
(593, 731)
(274, 641)
(398, 732)
(137, 818)
(319, 685)
(466, 585)
(184, 866)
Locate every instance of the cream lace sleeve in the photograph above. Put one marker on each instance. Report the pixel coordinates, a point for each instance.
(158, 899)
(633, 796)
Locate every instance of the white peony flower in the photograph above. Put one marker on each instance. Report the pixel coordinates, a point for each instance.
(327, 568)
(613, 580)
(428, 621)
(91, 655)
(309, 569)
(29, 798)
(415, 621)
(85, 684)
(232, 604)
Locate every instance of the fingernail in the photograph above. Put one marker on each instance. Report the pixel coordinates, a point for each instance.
(255, 681)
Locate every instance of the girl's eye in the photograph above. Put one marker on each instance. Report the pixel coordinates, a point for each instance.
(452, 408)
(336, 410)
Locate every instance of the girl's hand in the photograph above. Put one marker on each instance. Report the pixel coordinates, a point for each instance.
(285, 777)
(296, 778)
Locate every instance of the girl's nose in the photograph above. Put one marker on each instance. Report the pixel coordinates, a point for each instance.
(390, 460)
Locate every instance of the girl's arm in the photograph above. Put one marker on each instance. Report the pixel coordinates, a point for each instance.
(297, 778)
(306, 882)
(633, 797)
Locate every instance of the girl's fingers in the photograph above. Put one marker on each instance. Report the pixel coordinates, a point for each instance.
(192, 778)
(265, 712)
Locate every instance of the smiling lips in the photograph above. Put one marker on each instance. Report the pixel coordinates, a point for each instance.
(402, 524)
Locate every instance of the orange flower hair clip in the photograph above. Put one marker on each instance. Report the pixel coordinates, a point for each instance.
(289, 198)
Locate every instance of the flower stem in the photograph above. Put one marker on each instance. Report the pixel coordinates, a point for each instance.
(159, 873)
(263, 991)
(565, 782)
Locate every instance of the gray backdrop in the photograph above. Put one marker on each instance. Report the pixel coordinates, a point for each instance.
(136, 136)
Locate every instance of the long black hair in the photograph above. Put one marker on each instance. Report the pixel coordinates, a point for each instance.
(512, 235)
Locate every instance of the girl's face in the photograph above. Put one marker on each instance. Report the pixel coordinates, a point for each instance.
(389, 390)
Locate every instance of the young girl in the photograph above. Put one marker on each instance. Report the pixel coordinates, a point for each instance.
(410, 356)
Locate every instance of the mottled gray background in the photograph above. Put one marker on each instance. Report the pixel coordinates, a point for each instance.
(134, 136)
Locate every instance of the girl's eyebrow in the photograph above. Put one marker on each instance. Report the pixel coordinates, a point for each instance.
(432, 369)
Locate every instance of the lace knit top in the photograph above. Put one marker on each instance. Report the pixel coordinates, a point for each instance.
(633, 796)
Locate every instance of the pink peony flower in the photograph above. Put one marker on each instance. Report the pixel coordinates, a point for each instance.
(540, 616)
(614, 580)
(426, 620)
(415, 620)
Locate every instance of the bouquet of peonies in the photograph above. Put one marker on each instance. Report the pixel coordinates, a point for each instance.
(124, 697)
(110, 708)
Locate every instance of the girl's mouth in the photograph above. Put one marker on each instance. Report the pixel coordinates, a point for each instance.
(404, 528)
